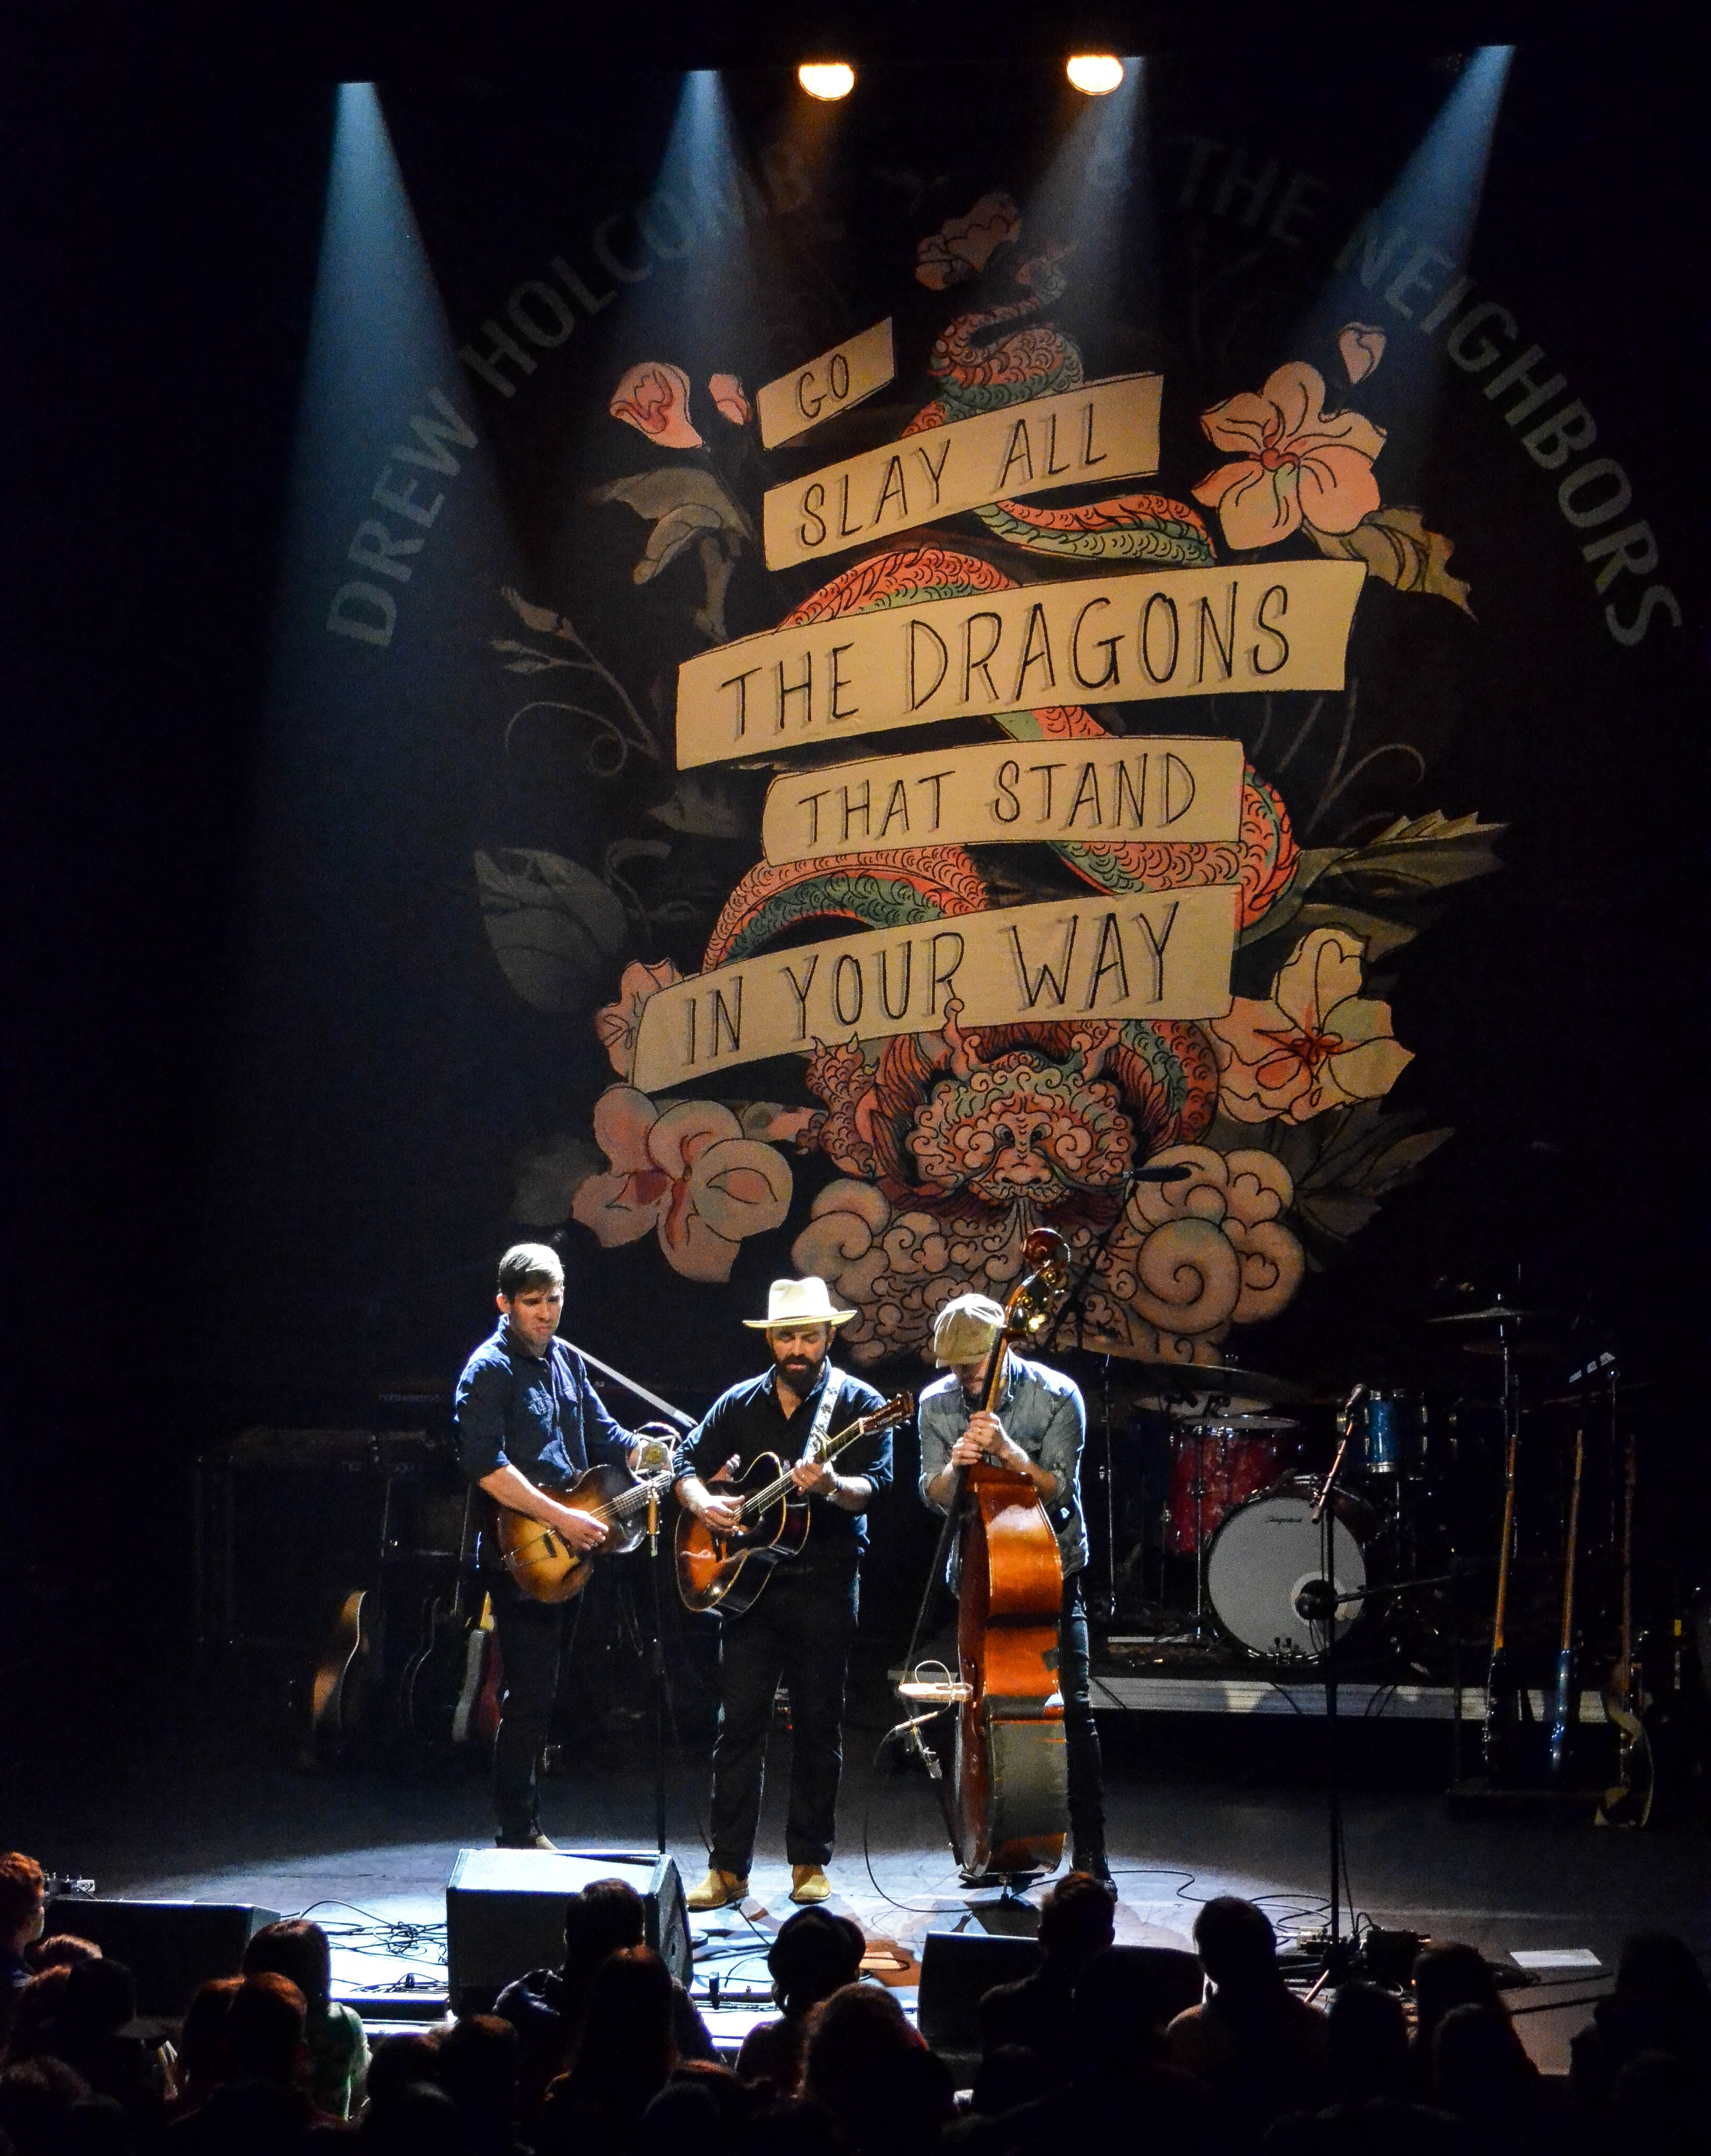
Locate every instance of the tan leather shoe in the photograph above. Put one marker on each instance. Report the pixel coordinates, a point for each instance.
(717, 1891)
(808, 1883)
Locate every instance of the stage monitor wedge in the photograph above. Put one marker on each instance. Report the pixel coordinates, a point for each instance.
(505, 1913)
(172, 1948)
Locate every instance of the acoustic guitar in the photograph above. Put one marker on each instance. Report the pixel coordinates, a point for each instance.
(340, 1693)
(542, 1563)
(727, 1570)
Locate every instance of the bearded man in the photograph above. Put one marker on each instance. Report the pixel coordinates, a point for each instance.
(800, 1629)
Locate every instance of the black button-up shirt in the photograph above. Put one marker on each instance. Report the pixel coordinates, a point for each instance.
(749, 1420)
(538, 1413)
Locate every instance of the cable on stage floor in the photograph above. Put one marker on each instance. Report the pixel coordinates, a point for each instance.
(387, 1938)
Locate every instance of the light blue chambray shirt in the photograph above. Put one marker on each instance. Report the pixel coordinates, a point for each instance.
(1042, 1410)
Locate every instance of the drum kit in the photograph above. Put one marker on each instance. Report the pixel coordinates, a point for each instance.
(1241, 1506)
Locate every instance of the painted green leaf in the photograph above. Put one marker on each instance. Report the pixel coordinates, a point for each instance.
(1396, 545)
(553, 926)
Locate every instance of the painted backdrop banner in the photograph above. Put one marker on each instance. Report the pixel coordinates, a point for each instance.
(984, 668)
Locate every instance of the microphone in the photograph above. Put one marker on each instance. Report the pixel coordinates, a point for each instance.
(1177, 1172)
(1346, 1414)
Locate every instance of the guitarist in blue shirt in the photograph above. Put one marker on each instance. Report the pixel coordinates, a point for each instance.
(529, 1424)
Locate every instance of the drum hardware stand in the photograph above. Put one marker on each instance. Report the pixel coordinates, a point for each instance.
(1075, 1304)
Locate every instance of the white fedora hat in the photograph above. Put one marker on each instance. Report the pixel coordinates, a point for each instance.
(799, 1303)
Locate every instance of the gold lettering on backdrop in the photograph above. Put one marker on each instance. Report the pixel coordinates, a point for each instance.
(1140, 634)
(1148, 955)
(1178, 786)
(821, 388)
(1106, 430)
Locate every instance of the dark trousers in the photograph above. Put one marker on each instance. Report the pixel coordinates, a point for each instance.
(531, 1640)
(1081, 1735)
(799, 1634)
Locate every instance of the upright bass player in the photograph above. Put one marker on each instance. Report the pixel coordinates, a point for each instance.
(1036, 1426)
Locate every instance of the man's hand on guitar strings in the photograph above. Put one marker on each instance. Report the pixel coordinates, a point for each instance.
(581, 1530)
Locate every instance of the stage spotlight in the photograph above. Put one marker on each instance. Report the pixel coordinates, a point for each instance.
(1095, 75)
(827, 80)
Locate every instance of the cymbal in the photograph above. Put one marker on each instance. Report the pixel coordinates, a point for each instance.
(1242, 1425)
(1176, 1380)
(1493, 1313)
(1597, 1395)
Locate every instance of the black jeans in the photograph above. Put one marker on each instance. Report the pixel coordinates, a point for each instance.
(531, 1639)
(1081, 1735)
(799, 1632)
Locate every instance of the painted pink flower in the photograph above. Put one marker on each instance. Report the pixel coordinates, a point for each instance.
(618, 1024)
(726, 391)
(1361, 345)
(654, 399)
(1295, 465)
(1317, 1043)
(687, 1173)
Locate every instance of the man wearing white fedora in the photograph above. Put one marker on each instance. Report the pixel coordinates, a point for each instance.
(800, 1629)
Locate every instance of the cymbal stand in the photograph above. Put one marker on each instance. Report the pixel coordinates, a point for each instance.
(1200, 1437)
(1074, 1305)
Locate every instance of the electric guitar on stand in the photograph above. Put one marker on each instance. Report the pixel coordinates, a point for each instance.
(1629, 1802)
(1498, 1736)
(1565, 1711)
(727, 1571)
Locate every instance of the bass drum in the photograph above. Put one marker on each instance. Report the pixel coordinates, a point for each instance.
(1267, 1550)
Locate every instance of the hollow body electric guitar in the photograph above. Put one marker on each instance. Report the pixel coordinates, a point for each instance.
(542, 1563)
(727, 1571)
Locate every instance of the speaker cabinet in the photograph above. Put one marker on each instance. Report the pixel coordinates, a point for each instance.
(505, 1913)
(959, 1969)
(172, 1948)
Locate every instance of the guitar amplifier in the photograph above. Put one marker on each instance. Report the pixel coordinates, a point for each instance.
(289, 1521)
(505, 1914)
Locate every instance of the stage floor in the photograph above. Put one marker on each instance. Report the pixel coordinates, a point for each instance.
(205, 1805)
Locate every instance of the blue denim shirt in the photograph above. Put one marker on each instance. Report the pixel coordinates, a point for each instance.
(1042, 1410)
(537, 1414)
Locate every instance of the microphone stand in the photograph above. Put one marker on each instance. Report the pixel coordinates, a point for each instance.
(1318, 1602)
(656, 1656)
(659, 1672)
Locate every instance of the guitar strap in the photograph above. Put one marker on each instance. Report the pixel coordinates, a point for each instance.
(822, 1414)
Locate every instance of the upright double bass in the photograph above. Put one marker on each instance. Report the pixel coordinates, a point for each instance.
(1008, 1810)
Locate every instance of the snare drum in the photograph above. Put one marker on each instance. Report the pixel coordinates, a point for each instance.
(1267, 1550)
(1393, 1434)
(1229, 1461)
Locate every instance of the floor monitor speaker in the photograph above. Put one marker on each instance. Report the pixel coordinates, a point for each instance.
(172, 1948)
(505, 1913)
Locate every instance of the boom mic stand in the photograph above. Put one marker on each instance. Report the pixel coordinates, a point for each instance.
(657, 1654)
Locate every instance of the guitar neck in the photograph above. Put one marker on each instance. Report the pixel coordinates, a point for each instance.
(828, 1448)
(1501, 1613)
(1573, 1536)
